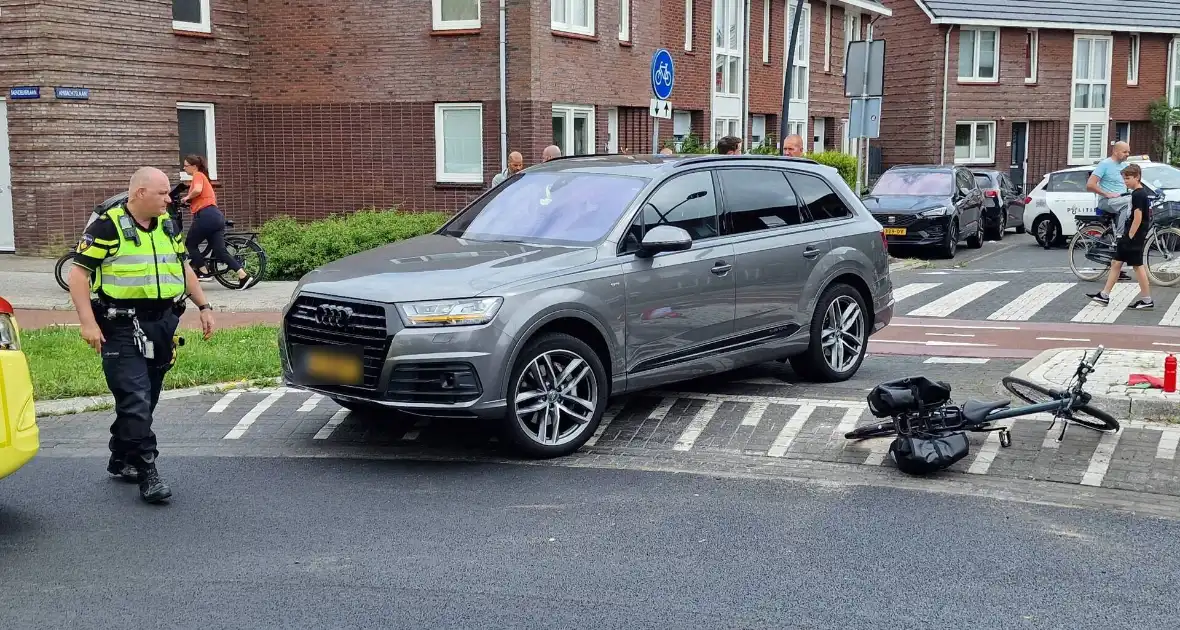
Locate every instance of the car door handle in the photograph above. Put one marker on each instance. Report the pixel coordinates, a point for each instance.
(721, 268)
(811, 252)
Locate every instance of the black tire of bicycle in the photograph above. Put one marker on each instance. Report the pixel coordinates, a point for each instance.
(1108, 423)
(877, 429)
(243, 242)
(57, 269)
(1151, 241)
(1073, 242)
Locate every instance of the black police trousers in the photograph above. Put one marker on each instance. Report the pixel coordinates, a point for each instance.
(136, 381)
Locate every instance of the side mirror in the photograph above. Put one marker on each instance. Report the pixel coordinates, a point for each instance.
(664, 238)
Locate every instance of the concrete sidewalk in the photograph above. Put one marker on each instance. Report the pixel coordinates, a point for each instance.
(28, 283)
(1108, 383)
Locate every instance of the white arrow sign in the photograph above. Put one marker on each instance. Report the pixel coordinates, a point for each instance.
(660, 109)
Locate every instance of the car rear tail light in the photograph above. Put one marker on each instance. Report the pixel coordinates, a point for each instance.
(990, 193)
(884, 240)
(1027, 200)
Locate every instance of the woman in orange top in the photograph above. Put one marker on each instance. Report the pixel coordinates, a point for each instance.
(208, 222)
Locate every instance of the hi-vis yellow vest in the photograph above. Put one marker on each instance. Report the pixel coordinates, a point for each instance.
(150, 270)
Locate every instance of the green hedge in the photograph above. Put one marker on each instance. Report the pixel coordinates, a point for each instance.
(293, 248)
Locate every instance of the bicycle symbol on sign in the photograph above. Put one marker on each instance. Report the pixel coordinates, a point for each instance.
(663, 75)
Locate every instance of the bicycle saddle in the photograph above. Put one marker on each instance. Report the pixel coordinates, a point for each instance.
(975, 411)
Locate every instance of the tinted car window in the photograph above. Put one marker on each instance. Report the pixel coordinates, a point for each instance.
(1069, 182)
(963, 179)
(688, 202)
(564, 208)
(758, 199)
(822, 202)
(984, 181)
(913, 182)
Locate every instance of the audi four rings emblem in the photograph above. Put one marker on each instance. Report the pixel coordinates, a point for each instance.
(334, 316)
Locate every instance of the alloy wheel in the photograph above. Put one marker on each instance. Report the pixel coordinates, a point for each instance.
(842, 334)
(556, 396)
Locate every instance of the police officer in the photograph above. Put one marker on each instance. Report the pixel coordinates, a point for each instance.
(133, 258)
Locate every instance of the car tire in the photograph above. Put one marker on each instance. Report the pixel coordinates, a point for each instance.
(975, 241)
(815, 364)
(1020, 229)
(950, 244)
(1046, 230)
(559, 350)
(997, 233)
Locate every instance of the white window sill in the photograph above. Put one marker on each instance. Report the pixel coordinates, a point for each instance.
(192, 27)
(1028, 81)
(446, 178)
(1083, 161)
(460, 25)
(572, 30)
(977, 80)
(975, 161)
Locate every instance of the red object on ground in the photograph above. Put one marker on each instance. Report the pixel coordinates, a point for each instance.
(1138, 379)
(1170, 374)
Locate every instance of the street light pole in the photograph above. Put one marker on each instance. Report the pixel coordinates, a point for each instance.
(789, 74)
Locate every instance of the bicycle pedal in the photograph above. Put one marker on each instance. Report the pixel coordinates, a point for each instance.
(1005, 438)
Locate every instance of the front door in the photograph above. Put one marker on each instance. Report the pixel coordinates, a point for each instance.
(818, 125)
(612, 130)
(7, 232)
(679, 304)
(1019, 163)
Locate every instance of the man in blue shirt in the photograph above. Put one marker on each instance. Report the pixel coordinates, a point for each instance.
(1107, 178)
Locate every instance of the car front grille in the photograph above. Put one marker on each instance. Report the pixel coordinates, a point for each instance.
(896, 220)
(366, 328)
(444, 383)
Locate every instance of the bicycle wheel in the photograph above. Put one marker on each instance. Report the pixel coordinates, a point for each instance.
(1032, 393)
(62, 271)
(1089, 240)
(1162, 257)
(877, 429)
(1098, 419)
(249, 255)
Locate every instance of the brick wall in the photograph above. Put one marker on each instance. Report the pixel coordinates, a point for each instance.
(69, 155)
(1132, 102)
(911, 113)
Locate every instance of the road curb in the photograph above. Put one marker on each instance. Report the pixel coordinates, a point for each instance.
(1124, 409)
(66, 406)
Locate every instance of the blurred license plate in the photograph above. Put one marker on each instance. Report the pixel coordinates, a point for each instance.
(894, 231)
(341, 365)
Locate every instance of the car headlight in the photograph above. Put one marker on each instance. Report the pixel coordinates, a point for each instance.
(464, 312)
(936, 212)
(9, 336)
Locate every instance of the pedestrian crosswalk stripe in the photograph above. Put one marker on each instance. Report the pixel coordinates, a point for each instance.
(987, 453)
(252, 415)
(754, 414)
(912, 289)
(1167, 446)
(1031, 302)
(1120, 297)
(326, 431)
(956, 299)
(700, 420)
(790, 430)
(1172, 317)
(310, 403)
(1100, 460)
(221, 405)
(608, 416)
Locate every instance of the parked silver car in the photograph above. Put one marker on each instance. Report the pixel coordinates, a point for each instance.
(588, 277)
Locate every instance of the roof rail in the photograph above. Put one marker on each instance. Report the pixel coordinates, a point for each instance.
(748, 156)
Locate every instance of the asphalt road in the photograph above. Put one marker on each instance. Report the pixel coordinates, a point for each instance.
(266, 543)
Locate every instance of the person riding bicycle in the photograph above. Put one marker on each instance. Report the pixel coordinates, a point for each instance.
(208, 222)
(1106, 181)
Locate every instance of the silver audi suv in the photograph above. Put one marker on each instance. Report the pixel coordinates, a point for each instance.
(589, 277)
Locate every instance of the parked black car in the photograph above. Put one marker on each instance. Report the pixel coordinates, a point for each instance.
(928, 206)
(1003, 205)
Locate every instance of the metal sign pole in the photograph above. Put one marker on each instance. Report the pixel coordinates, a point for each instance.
(655, 135)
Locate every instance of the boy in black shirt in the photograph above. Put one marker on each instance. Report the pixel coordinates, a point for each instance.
(1130, 245)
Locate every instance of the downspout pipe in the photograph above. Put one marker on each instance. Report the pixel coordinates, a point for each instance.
(503, 86)
(946, 73)
(745, 134)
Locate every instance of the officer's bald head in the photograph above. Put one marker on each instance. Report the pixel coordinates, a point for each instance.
(147, 194)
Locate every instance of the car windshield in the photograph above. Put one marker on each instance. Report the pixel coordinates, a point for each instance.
(913, 183)
(559, 208)
(1159, 176)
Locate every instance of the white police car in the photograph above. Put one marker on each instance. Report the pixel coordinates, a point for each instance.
(1050, 207)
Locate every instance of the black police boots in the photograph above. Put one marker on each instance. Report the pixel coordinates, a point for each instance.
(119, 467)
(151, 488)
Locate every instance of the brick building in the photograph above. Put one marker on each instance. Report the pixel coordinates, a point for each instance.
(308, 107)
(1023, 85)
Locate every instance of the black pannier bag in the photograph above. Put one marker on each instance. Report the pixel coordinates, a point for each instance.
(911, 394)
(924, 453)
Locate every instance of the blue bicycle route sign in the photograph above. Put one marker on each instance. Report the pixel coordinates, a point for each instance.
(663, 74)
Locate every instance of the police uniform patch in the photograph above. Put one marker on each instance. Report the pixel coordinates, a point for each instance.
(85, 243)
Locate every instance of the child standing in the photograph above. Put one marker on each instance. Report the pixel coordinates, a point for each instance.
(1130, 245)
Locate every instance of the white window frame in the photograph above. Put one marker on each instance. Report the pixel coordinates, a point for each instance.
(1174, 72)
(210, 132)
(975, 125)
(802, 59)
(852, 25)
(681, 122)
(1133, 60)
(1092, 152)
(756, 121)
(1034, 40)
(733, 127)
(766, 31)
(827, 36)
(624, 20)
(440, 175)
(1090, 80)
(204, 26)
(568, 26)
(974, 77)
(798, 128)
(569, 110)
(688, 25)
(726, 51)
(439, 24)
(1116, 132)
